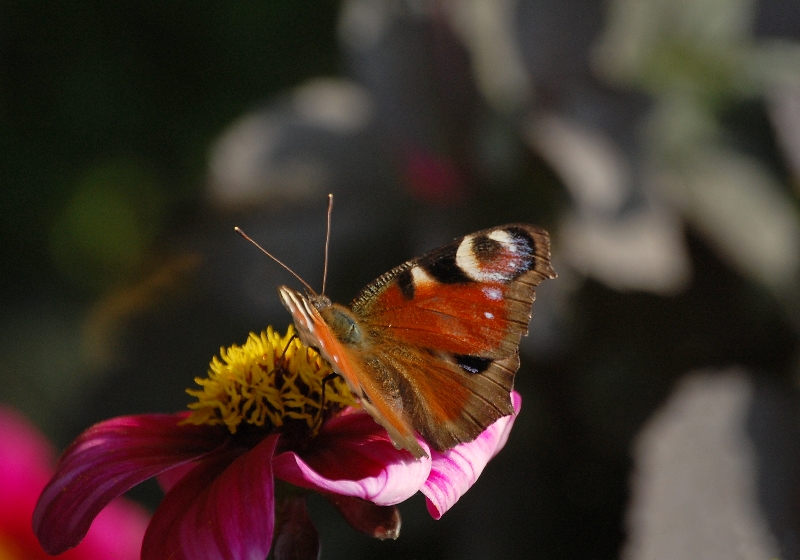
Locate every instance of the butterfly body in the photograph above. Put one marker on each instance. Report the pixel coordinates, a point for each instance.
(431, 347)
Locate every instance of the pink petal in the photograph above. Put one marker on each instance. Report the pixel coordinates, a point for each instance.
(116, 533)
(455, 470)
(297, 538)
(353, 456)
(25, 467)
(107, 460)
(26, 458)
(381, 522)
(221, 510)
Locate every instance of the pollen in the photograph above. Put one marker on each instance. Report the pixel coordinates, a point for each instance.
(269, 382)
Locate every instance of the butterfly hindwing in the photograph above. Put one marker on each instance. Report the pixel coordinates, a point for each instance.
(442, 401)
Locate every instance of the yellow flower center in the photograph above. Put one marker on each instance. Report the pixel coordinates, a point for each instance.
(270, 380)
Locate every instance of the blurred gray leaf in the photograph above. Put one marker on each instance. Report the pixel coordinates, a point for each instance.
(694, 484)
(742, 211)
(642, 250)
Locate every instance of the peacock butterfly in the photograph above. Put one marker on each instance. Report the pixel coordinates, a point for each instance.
(431, 347)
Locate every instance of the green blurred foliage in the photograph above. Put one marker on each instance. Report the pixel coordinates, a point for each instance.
(104, 231)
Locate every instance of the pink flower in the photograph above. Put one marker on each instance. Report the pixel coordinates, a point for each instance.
(26, 459)
(221, 500)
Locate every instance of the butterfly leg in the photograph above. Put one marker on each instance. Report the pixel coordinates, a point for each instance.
(288, 343)
(325, 380)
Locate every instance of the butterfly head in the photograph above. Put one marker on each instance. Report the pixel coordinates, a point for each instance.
(315, 316)
(305, 311)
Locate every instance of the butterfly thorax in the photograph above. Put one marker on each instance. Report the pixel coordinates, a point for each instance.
(328, 327)
(317, 318)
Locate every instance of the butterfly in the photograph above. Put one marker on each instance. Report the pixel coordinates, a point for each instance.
(430, 348)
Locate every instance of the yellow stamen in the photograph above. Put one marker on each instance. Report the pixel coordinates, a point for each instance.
(265, 382)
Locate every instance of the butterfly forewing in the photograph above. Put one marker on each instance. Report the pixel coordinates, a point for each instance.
(443, 330)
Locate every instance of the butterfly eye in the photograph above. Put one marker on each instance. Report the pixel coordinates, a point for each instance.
(343, 325)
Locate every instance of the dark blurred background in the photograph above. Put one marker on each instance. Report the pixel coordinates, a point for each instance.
(658, 142)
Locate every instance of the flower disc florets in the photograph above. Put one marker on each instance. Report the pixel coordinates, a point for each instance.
(271, 382)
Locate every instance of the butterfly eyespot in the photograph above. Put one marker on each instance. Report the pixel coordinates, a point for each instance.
(467, 259)
(444, 268)
(486, 248)
(497, 256)
(501, 236)
(506, 239)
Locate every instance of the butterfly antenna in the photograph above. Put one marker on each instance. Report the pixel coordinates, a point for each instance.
(274, 258)
(327, 243)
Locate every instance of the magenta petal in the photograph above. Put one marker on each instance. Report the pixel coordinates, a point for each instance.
(353, 456)
(455, 470)
(107, 460)
(221, 510)
(297, 538)
(170, 478)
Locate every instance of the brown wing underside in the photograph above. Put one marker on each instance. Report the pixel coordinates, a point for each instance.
(447, 405)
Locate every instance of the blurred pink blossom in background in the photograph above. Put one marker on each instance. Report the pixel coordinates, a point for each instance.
(26, 464)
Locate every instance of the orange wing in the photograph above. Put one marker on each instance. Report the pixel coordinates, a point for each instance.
(442, 333)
